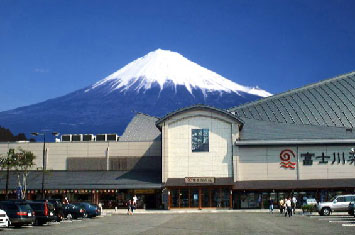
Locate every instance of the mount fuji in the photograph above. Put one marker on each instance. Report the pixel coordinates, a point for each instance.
(157, 83)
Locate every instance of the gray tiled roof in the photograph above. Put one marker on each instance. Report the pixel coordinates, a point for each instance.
(327, 103)
(87, 180)
(141, 128)
(268, 130)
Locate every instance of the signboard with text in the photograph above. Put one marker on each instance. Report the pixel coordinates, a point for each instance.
(199, 180)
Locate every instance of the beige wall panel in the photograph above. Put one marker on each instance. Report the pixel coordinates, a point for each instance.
(184, 162)
(275, 172)
(252, 171)
(248, 154)
(59, 152)
(264, 164)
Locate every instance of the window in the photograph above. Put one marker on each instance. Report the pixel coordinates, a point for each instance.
(349, 198)
(341, 199)
(200, 140)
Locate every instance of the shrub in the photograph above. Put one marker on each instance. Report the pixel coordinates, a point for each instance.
(309, 208)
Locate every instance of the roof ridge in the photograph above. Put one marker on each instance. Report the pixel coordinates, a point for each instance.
(203, 106)
(311, 85)
(147, 115)
(293, 124)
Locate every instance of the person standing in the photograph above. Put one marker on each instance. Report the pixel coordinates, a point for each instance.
(271, 205)
(294, 203)
(66, 201)
(282, 205)
(288, 207)
(129, 207)
(135, 200)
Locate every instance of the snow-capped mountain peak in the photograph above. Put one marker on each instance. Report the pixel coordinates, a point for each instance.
(161, 66)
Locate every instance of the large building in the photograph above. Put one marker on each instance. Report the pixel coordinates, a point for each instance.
(300, 142)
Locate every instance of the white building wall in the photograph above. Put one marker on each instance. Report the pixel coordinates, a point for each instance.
(263, 163)
(181, 162)
(58, 153)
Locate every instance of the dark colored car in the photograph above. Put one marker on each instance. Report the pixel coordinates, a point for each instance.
(73, 211)
(19, 212)
(44, 211)
(91, 210)
(58, 208)
(351, 208)
(98, 209)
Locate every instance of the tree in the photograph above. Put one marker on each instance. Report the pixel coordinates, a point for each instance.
(24, 162)
(7, 162)
(6, 135)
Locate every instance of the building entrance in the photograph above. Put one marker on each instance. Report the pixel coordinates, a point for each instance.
(200, 197)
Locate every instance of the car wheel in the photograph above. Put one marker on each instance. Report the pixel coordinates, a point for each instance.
(325, 211)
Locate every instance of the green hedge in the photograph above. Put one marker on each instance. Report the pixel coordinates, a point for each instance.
(309, 208)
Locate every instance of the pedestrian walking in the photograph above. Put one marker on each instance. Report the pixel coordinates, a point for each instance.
(129, 207)
(271, 205)
(288, 207)
(294, 203)
(133, 207)
(282, 205)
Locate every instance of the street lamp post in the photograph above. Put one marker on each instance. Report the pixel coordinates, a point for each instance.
(44, 166)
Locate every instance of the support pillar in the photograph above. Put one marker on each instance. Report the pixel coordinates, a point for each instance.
(199, 199)
(231, 199)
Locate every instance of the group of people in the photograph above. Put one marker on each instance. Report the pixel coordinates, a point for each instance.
(287, 206)
(131, 205)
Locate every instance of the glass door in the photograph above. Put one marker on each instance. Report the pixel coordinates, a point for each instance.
(194, 197)
(184, 198)
(205, 197)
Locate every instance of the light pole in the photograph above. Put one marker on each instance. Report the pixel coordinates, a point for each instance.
(44, 154)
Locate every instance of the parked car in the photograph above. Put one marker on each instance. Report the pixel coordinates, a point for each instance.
(44, 211)
(4, 219)
(311, 201)
(18, 211)
(98, 209)
(73, 211)
(58, 208)
(91, 210)
(338, 203)
(351, 208)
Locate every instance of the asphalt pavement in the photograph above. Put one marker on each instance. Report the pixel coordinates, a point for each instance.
(203, 222)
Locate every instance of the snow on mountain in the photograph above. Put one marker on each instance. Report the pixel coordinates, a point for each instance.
(161, 66)
(156, 84)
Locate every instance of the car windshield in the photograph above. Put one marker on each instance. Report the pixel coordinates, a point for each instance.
(332, 199)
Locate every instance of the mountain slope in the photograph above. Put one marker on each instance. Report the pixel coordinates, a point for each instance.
(158, 83)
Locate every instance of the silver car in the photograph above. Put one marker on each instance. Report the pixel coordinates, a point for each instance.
(339, 203)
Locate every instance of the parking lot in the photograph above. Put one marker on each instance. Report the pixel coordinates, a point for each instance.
(198, 223)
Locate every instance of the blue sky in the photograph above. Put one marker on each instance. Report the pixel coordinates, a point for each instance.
(51, 48)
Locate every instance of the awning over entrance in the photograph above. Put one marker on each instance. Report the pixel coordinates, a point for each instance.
(87, 180)
(294, 184)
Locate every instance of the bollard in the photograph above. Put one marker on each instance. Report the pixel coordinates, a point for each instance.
(115, 208)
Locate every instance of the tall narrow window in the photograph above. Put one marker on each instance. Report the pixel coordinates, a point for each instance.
(200, 140)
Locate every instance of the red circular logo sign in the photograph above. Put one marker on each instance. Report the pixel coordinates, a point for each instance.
(286, 155)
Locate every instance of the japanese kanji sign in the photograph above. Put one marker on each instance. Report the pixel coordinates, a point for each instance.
(199, 180)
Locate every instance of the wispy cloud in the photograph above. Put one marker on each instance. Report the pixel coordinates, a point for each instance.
(41, 70)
